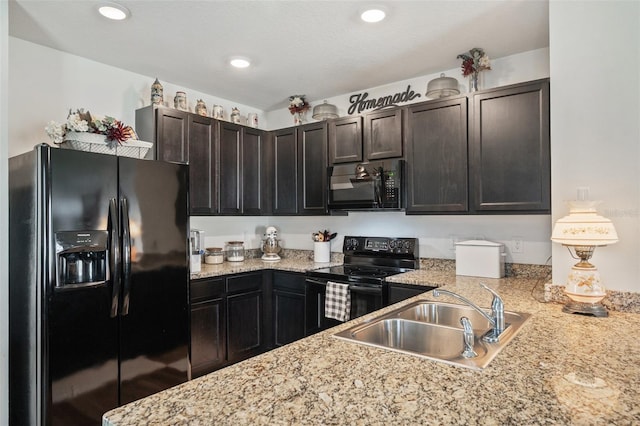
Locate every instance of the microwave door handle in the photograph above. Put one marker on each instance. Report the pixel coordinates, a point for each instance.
(114, 256)
(377, 185)
(126, 256)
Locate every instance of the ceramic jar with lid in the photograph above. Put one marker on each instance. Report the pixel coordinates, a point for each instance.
(180, 101)
(213, 256)
(201, 108)
(235, 251)
(157, 93)
(235, 115)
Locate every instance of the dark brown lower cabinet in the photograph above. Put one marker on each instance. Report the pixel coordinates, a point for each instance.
(208, 326)
(288, 307)
(228, 321)
(399, 292)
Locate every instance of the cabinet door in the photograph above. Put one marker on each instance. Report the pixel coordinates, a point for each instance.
(285, 165)
(436, 141)
(208, 339)
(230, 175)
(345, 140)
(312, 171)
(244, 325)
(208, 325)
(509, 149)
(245, 316)
(253, 179)
(172, 143)
(383, 134)
(202, 165)
(399, 292)
(288, 307)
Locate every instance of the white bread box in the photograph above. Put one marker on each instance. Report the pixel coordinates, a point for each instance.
(479, 258)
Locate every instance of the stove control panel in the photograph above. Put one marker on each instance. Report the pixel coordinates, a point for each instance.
(374, 245)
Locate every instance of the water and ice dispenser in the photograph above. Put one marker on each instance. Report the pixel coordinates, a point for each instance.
(81, 258)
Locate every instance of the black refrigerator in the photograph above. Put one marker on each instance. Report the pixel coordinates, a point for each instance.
(98, 283)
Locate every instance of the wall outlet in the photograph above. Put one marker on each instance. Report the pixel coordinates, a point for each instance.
(517, 245)
(453, 239)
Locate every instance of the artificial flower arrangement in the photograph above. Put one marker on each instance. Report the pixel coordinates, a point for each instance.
(297, 103)
(474, 62)
(114, 130)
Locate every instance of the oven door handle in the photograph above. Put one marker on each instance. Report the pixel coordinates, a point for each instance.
(367, 290)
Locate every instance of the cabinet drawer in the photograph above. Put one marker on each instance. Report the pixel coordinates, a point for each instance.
(245, 282)
(206, 289)
(289, 281)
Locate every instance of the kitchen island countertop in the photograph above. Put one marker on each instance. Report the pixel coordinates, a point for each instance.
(559, 369)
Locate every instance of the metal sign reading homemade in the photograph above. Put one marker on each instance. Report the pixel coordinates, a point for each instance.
(359, 101)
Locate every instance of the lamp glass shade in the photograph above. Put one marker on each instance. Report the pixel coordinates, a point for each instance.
(324, 111)
(584, 227)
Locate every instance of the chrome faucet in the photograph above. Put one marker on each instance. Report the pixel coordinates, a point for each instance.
(468, 339)
(497, 312)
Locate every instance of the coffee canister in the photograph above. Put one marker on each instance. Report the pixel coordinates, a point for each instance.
(235, 251)
(213, 255)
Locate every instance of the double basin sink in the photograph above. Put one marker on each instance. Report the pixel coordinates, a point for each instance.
(433, 330)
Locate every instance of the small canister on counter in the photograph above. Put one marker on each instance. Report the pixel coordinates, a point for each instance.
(213, 256)
(235, 251)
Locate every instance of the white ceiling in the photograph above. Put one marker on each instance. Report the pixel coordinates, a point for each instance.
(317, 48)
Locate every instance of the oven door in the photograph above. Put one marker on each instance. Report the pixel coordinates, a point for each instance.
(365, 298)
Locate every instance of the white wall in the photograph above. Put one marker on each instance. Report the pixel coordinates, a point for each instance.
(4, 207)
(437, 234)
(512, 69)
(595, 126)
(44, 83)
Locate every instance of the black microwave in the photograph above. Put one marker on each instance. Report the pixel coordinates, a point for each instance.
(375, 185)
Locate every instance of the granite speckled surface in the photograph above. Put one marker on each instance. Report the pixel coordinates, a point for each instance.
(560, 369)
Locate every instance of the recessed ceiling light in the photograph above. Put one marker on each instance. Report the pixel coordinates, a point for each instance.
(373, 15)
(240, 62)
(113, 11)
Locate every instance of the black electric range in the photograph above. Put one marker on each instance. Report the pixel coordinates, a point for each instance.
(367, 262)
(371, 259)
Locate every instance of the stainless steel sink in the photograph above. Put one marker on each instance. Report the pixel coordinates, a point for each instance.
(450, 313)
(432, 330)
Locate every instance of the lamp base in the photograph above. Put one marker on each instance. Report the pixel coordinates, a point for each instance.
(593, 309)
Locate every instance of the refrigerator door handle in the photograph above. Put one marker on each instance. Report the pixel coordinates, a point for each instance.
(114, 255)
(126, 256)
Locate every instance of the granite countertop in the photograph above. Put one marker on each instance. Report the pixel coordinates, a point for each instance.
(324, 380)
(299, 262)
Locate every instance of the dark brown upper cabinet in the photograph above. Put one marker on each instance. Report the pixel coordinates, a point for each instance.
(300, 170)
(242, 171)
(509, 151)
(345, 140)
(285, 171)
(436, 144)
(182, 137)
(167, 128)
(383, 134)
(203, 154)
(312, 163)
